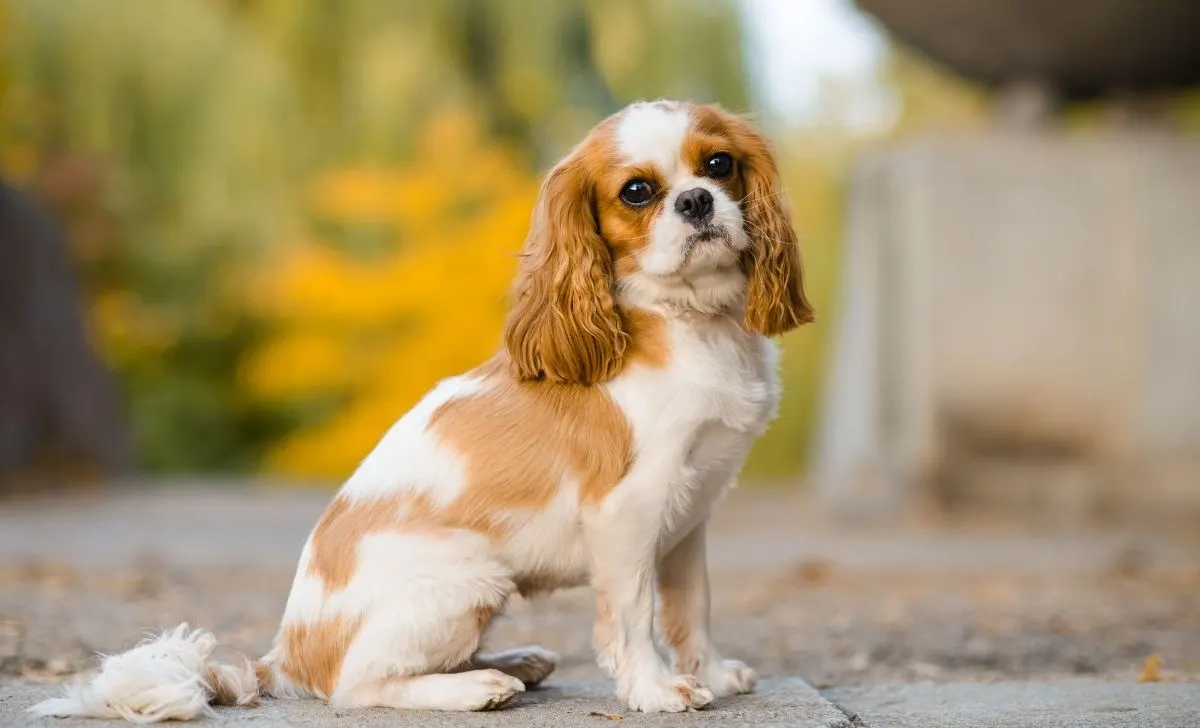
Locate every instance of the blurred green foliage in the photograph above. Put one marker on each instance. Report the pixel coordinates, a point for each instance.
(179, 140)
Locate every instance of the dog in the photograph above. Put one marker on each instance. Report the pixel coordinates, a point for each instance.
(636, 372)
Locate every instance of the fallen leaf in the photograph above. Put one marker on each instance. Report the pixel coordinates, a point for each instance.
(606, 716)
(1151, 669)
(812, 571)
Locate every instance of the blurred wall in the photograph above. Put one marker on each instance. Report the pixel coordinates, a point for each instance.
(1019, 323)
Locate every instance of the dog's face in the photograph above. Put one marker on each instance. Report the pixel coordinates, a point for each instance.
(661, 198)
(668, 201)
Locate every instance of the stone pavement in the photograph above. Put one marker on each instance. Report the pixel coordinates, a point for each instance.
(929, 627)
(782, 702)
(1061, 704)
(789, 702)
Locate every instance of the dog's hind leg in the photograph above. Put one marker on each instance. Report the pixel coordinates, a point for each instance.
(425, 619)
(472, 690)
(530, 664)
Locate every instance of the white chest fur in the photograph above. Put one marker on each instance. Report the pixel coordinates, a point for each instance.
(718, 375)
(694, 421)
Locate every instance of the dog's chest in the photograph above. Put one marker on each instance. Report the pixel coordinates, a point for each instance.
(718, 392)
(721, 375)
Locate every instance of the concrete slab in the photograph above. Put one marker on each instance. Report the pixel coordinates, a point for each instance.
(779, 702)
(1062, 704)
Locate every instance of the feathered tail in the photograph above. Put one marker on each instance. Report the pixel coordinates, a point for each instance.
(169, 677)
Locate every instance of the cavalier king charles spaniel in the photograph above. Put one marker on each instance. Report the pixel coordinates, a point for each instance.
(635, 374)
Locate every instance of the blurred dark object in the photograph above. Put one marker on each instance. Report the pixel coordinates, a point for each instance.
(58, 406)
(1078, 50)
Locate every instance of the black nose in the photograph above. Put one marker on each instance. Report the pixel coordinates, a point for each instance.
(695, 205)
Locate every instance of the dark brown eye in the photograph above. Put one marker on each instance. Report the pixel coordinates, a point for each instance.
(718, 165)
(637, 192)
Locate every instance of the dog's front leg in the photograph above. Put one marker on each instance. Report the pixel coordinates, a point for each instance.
(684, 618)
(623, 539)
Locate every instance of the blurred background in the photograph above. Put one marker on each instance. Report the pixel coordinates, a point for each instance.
(239, 238)
(243, 236)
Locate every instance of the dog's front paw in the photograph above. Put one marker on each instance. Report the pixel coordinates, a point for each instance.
(729, 677)
(673, 694)
(485, 690)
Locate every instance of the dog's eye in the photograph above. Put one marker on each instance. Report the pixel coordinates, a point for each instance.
(718, 165)
(637, 192)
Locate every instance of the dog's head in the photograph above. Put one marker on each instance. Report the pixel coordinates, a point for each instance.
(664, 202)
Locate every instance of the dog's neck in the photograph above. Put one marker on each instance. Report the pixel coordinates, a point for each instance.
(720, 292)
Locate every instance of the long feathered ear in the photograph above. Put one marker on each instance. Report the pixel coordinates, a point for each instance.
(564, 325)
(775, 298)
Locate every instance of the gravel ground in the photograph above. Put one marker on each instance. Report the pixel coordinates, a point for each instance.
(793, 595)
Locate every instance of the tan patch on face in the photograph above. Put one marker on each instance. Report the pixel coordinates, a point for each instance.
(626, 229)
(313, 652)
(706, 138)
(522, 439)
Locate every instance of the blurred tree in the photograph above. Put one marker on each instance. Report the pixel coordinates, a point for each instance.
(160, 133)
(193, 146)
(58, 407)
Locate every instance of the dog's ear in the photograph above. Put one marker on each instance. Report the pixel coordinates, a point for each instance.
(564, 325)
(775, 298)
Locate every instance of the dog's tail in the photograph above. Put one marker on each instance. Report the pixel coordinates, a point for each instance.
(168, 677)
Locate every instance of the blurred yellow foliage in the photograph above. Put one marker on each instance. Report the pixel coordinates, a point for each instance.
(375, 332)
(1151, 669)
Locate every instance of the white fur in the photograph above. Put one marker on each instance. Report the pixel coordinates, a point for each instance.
(409, 457)
(415, 595)
(653, 134)
(160, 679)
(693, 425)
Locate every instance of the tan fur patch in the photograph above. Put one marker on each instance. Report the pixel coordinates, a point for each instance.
(535, 583)
(229, 684)
(345, 522)
(335, 540)
(520, 439)
(648, 336)
(673, 617)
(313, 652)
(483, 617)
(604, 631)
(266, 679)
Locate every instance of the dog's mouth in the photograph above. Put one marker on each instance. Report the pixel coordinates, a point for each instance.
(705, 236)
(708, 233)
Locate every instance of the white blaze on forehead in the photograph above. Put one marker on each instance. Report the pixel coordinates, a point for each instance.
(653, 133)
